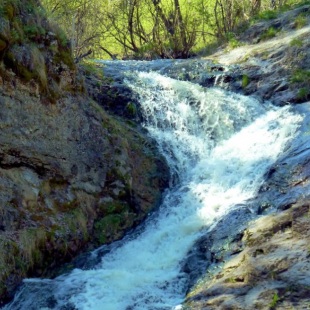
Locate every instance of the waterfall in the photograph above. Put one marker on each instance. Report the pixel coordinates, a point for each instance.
(219, 145)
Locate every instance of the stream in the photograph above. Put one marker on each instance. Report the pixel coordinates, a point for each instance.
(219, 146)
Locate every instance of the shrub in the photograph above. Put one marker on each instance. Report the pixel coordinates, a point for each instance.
(300, 21)
(301, 79)
(303, 93)
(267, 15)
(301, 76)
(245, 81)
(269, 33)
(232, 40)
(296, 42)
(274, 301)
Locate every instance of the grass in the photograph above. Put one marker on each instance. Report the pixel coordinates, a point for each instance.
(91, 68)
(27, 45)
(245, 81)
(269, 33)
(303, 93)
(301, 76)
(300, 21)
(233, 43)
(296, 42)
(267, 15)
(272, 14)
(275, 299)
(301, 79)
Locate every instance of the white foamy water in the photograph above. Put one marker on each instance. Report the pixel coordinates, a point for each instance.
(219, 145)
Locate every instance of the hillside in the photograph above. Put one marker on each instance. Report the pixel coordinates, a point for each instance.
(273, 58)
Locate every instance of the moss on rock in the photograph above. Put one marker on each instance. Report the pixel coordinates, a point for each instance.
(35, 50)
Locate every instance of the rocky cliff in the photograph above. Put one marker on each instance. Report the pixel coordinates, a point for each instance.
(71, 176)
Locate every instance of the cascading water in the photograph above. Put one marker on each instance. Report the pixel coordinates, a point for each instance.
(218, 145)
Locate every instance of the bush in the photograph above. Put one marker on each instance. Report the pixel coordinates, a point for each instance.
(296, 42)
(300, 21)
(233, 42)
(301, 79)
(267, 15)
(269, 33)
(301, 76)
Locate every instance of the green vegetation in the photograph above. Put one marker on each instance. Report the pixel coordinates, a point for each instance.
(301, 76)
(148, 29)
(274, 301)
(269, 34)
(91, 68)
(115, 218)
(131, 109)
(233, 42)
(267, 15)
(303, 93)
(245, 81)
(29, 45)
(301, 79)
(296, 42)
(301, 21)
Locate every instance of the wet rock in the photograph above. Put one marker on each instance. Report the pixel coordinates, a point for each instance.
(265, 262)
(217, 244)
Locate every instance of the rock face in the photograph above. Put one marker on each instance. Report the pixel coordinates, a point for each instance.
(270, 270)
(264, 263)
(71, 176)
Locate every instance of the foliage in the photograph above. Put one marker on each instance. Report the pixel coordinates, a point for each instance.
(245, 81)
(91, 68)
(233, 42)
(32, 48)
(275, 299)
(267, 15)
(300, 21)
(296, 42)
(301, 79)
(148, 29)
(303, 93)
(269, 33)
(301, 76)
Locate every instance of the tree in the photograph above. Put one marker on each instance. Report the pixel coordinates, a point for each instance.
(81, 20)
(150, 29)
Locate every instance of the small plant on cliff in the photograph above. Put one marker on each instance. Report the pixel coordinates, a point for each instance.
(91, 68)
(301, 76)
(296, 42)
(245, 81)
(233, 42)
(269, 33)
(34, 31)
(274, 301)
(267, 15)
(300, 21)
(303, 93)
(301, 79)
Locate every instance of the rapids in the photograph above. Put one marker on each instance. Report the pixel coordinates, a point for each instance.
(219, 145)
